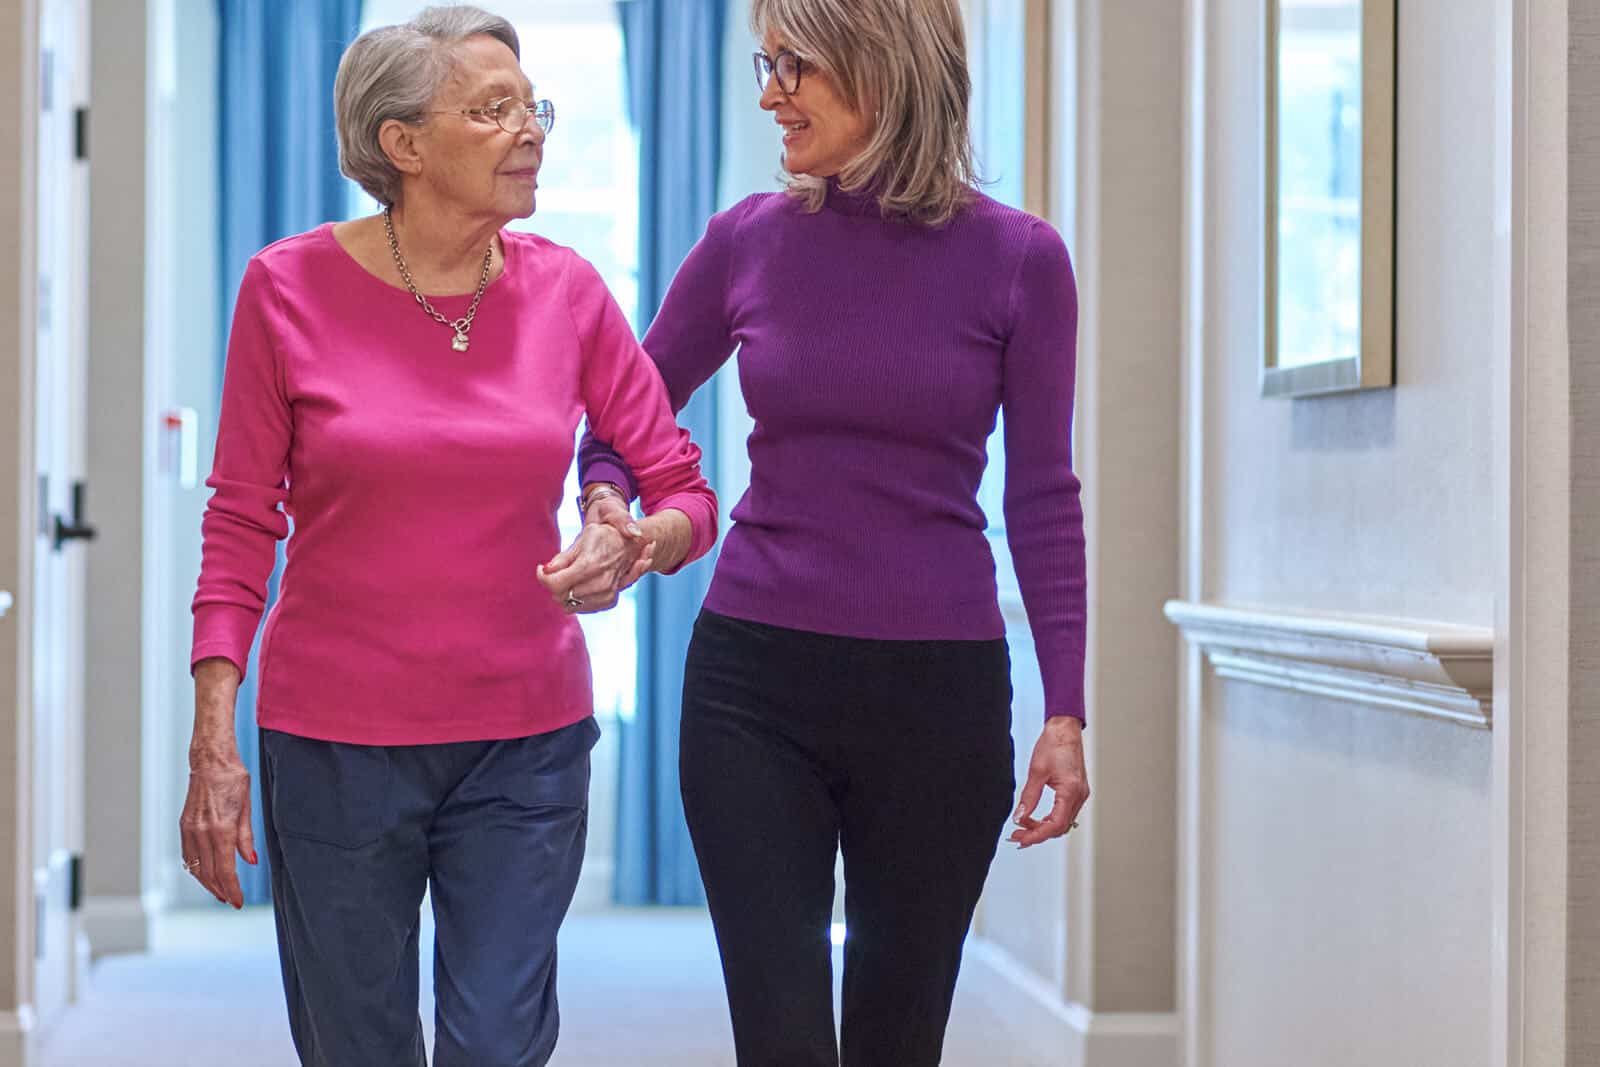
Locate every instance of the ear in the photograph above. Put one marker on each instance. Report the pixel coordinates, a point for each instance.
(399, 141)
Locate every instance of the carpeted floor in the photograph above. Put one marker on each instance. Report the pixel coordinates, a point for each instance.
(637, 988)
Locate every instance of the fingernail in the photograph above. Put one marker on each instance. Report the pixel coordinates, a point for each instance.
(635, 531)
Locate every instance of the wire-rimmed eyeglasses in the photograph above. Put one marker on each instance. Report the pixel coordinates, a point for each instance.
(785, 65)
(512, 113)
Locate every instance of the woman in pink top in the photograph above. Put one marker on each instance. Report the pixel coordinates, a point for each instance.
(406, 389)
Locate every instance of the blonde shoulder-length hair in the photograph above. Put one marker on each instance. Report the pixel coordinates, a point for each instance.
(905, 61)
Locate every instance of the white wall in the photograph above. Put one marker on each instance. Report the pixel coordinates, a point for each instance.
(1081, 933)
(116, 681)
(1344, 864)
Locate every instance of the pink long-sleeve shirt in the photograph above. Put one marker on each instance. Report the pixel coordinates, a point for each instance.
(422, 484)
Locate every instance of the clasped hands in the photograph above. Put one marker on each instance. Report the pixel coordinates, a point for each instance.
(610, 553)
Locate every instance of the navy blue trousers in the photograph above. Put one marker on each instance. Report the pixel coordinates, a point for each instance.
(356, 834)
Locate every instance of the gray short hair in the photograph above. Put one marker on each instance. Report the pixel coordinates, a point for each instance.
(394, 72)
(906, 60)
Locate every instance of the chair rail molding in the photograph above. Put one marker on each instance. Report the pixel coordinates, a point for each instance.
(1439, 670)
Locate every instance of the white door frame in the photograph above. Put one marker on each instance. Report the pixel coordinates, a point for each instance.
(1533, 499)
(19, 32)
(60, 423)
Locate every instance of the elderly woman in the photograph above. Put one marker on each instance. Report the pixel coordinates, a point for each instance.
(848, 683)
(407, 389)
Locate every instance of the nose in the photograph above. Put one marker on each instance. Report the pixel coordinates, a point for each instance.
(773, 95)
(532, 131)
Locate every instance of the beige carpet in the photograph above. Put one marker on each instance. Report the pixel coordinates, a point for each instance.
(637, 987)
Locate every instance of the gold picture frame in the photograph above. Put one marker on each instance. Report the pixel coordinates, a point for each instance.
(1330, 196)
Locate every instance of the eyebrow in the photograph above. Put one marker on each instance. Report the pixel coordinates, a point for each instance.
(502, 87)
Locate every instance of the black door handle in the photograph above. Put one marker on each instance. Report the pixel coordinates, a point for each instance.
(77, 529)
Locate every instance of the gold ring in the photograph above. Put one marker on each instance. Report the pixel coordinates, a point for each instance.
(573, 602)
(190, 866)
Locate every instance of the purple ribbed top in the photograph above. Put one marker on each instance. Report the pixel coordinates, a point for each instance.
(874, 355)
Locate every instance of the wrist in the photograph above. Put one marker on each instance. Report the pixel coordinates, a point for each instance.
(672, 533)
(1064, 726)
(209, 752)
(598, 494)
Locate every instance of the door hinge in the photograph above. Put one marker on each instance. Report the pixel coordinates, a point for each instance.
(75, 882)
(80, 134)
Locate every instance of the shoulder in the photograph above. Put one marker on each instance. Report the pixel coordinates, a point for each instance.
(545, 263)
(757, 210)
(312, 253)
(987, 220)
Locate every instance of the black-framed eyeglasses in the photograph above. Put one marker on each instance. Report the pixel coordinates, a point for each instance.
(512, 113)
(785, 65)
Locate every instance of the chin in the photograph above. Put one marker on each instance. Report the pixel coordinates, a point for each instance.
(797, 165)
(520, 207)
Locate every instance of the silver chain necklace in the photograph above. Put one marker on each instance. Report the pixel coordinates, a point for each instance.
(464, 323)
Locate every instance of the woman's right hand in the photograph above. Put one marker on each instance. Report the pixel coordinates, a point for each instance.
(215, 824)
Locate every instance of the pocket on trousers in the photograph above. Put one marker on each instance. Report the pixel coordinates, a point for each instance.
(550, 770)
(324, 791)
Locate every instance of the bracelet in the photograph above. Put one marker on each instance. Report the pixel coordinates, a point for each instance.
(597, 491)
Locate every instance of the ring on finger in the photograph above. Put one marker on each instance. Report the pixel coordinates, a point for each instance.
(190, 866)
(573, 601)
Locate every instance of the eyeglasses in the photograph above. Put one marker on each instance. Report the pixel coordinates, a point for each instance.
(512, 113)
(786, 65)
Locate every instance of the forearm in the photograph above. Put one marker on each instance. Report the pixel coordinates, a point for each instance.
(216, 690)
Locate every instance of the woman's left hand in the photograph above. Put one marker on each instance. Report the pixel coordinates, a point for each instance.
(591, 574)
(1058, 763)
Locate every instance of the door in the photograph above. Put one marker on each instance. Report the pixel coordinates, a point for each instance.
(59, 448)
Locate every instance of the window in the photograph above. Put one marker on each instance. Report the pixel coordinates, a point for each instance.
(997, 39)
(572, 51)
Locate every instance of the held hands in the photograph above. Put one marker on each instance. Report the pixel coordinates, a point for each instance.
(610, 554)
(1058, 763)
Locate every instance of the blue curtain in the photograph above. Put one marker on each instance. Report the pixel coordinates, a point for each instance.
(674, 57)
(279, 176)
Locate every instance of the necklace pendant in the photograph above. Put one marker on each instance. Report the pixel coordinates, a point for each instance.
(460, 342)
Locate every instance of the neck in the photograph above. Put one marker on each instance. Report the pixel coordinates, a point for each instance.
(440, 243)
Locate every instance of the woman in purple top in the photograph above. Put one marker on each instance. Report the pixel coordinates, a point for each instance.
(848, 684)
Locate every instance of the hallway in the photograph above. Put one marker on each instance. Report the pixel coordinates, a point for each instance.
(636, 988)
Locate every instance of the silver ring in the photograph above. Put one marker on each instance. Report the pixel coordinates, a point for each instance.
(573, 602)
(190, 866)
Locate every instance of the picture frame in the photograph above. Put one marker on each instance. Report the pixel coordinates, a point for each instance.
(1329, 183)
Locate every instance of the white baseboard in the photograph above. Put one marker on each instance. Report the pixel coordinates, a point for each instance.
(118, 924)
(17, 1033)
(1053, 1031)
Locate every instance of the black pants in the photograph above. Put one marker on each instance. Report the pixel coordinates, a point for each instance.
(796, 745)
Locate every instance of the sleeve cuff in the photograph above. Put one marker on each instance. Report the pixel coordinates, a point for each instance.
(1069, 703)
(223, 630)
(607, 470)
(701, 508)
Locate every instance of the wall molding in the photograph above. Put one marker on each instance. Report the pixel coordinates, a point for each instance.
(1052, 1030)
(1434, 669)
